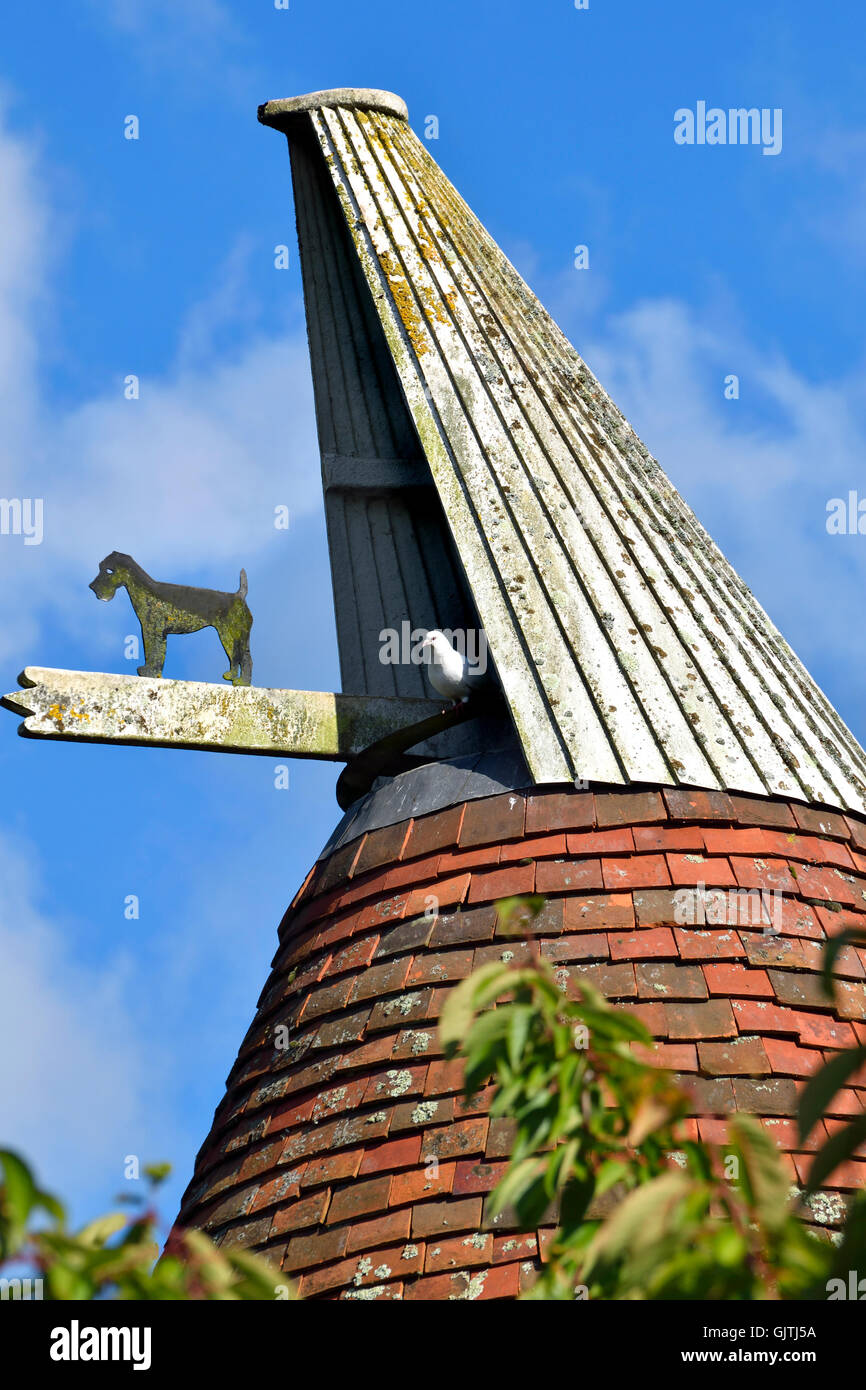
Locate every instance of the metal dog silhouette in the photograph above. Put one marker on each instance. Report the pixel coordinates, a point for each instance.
(165, 609)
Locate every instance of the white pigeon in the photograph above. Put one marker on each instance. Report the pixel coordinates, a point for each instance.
(449, 672)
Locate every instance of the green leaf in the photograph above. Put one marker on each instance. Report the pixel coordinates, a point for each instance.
(699, 1156)
(67, 1284)
(838, 1148)
(97, 1232)
(514, 1183)
(639, 1221)
(519, 1024)
(730, 1247)
(833, 948)
(823, 1085)
(462, 1004)
(609, 1025)
(264, 1276)
(652, 1113)
(612, 1171)
(764, 1177)
(851, 1254)
(577, 1194)
(508, 908)
(18, 1196)
(156, 1172)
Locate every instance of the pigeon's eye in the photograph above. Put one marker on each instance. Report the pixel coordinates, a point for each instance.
(109, 571)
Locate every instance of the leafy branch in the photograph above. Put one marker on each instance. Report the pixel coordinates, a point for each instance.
(690, 1220)
(114, 1256)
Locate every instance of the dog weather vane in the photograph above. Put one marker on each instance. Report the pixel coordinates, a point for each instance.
(369, 733)
(167, 609)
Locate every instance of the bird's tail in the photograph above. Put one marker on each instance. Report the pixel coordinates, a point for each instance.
(242, 587)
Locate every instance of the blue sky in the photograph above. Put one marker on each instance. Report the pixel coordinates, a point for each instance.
(155, 257)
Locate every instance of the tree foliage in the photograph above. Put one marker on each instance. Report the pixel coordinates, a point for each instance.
(643, 1213)
(114, 1256)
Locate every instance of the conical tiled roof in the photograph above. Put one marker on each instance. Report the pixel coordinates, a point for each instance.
(628, 649)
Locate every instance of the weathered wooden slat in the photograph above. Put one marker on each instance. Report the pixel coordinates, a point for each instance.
(99, 707)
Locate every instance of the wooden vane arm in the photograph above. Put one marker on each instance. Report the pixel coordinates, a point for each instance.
(95, 707)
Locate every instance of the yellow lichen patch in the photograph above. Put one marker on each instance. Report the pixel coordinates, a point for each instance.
(59, 712)
(434, 308)
(406, 307)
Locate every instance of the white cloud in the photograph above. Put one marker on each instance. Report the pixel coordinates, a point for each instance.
(77, 1073)
(836, 207)
(23, 224)
(758, 471)
(189, 472)
(194, 34)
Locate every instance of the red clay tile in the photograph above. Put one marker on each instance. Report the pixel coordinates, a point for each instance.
(686, 804)
(674, 1056)
(613, 981)
(787, 1059)
(669, 980)
(383, 846)
(304, 1252)
(770, 874)
(857, 830)
(648, 943)
(690, 869)
(456, 1140)
(648, 838)
(368, 1235)
(817, 1030)
(753, 810)
(819, 822)
(628, 808)
(492, 820)
(569, 876)
(709, 944)
(740, 980)
(829, 884)
(394, 1153)
(776, 1096)
(433, 1219)
(438, 968)
(502, 883)
(638, 871)
(359, 1199)
(537, 847)
(411, 874)
(743, 1056)
(559, 811)
(712, 1019)
(433, 833)
(457, 861)
(432, 899)
(460, 1252)
(591, 913)
(601, 842)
